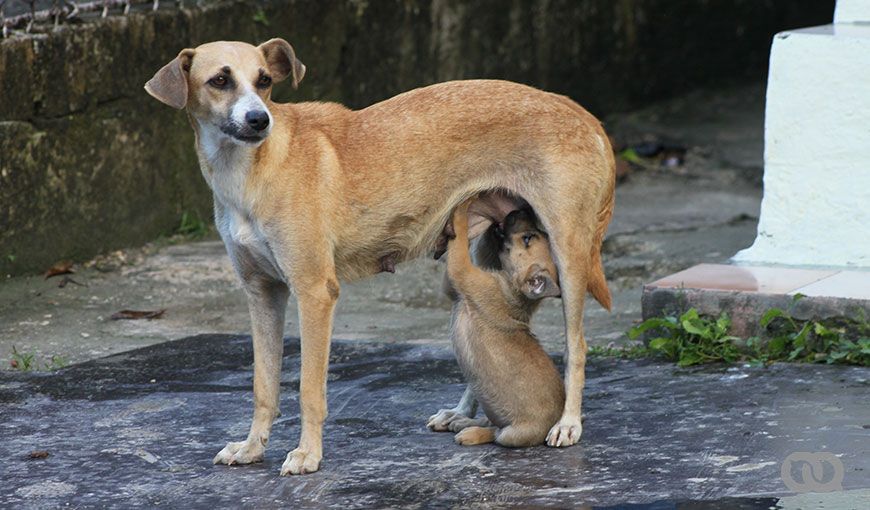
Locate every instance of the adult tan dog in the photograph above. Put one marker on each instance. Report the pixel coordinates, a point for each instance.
(310, 194)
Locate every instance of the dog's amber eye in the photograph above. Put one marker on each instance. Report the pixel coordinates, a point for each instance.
(264, 81)
(219, 81)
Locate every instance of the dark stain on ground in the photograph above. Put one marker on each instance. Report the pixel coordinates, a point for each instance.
(654, 434)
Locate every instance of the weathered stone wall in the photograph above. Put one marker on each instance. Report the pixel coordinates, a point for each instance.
(89, 163)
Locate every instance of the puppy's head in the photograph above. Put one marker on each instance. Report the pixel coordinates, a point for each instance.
(525, 256)
(226, 85)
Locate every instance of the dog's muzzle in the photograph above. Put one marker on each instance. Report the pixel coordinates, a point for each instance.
(253, 131)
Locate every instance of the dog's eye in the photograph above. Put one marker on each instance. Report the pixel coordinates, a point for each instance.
(264, 81)
(527, 238)
(218, 82)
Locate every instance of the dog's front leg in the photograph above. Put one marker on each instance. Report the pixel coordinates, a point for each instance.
(267, 300)
(317, 293)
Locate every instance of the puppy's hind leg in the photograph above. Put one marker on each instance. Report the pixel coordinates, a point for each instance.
(475, 435)
(267, 301)
(521, 435)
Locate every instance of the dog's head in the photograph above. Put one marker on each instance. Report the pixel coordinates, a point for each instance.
(525, 255)
(226, 85)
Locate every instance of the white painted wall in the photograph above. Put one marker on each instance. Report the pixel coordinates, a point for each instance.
(852, 11)
(816, 205)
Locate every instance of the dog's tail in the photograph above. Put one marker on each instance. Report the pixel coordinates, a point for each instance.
(597, 283)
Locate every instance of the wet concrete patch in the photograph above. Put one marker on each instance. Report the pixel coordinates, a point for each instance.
(140, 429)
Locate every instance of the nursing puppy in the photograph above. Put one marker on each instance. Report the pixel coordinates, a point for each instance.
(508, 372)
(308, 195)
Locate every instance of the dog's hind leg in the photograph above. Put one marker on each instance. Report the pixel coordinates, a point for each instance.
(571, 211)
(267, 300)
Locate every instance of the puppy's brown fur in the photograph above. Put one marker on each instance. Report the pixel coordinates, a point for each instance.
(328, 194)
(509, 374)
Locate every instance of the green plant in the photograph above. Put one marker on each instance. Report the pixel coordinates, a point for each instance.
(192, 225)
(56, 363)
(260, 17)
(838, 340)
(21, 361)
(26, 361)
(624, 352)
(690, 339)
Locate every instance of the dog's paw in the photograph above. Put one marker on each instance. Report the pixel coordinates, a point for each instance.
(440, 421)
(300, 462)
(565, 433)
(244, 452)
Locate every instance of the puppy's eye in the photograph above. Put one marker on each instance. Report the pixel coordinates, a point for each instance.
(527, 238)
(218, 82)
(264, 81)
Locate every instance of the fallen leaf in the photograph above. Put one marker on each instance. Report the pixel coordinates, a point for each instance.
(39, 454)
(62, 267)
(137, 314)
(13, 363)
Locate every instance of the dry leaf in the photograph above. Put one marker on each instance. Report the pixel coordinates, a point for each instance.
(62, 267)
(137, 314)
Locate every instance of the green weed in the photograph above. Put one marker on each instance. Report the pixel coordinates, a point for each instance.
(21, 361)
(838, 340)
(26, 361)
(261, 18)
(192, 225)
(626, 352)
(691, 339)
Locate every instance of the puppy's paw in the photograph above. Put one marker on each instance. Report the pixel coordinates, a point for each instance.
(565, 433)
(300, 462)
(440, 421)
(471, 436)
(244, 452)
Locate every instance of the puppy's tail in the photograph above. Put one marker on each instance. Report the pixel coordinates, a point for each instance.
(597, 283)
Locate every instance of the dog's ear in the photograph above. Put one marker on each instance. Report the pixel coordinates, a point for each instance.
(539, 284)
(169, 84)
(282, 61)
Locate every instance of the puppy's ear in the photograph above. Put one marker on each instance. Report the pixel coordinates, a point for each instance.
(169, 85)
(539, 284)
(282, 61)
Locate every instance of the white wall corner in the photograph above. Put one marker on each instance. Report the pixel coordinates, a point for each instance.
(852, 11)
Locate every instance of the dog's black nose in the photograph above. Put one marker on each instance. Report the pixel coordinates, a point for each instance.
(257, 119)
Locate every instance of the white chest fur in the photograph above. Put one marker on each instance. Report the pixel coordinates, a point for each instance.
(225, 166)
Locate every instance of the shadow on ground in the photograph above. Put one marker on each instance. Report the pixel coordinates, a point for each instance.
(139, 429)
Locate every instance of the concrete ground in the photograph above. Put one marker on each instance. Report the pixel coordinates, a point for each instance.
(139, 430)
(665, 220)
